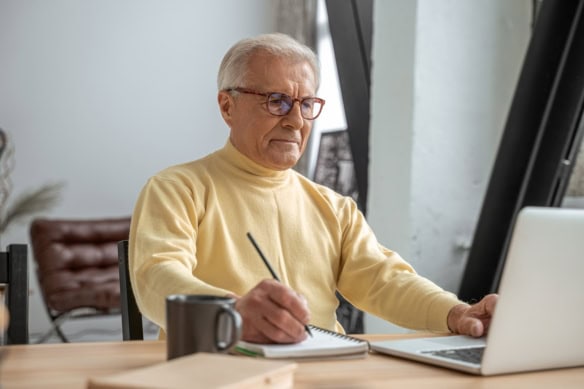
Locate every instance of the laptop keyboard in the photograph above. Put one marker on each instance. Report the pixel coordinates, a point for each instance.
(470, 354)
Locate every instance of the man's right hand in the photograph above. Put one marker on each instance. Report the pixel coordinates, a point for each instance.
(273, 313)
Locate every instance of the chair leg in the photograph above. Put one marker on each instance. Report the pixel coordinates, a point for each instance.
(56, 322)
(53, 330)
(60, 334)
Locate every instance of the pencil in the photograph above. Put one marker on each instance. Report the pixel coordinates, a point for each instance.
(274, 275)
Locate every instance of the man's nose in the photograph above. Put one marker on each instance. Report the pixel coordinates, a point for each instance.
(294, 118)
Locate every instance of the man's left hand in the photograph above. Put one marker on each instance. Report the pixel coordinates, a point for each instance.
(473, 320)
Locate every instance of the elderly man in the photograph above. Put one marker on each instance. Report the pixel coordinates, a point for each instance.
(190, 222)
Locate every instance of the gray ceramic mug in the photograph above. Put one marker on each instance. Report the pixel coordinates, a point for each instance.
(200, 323)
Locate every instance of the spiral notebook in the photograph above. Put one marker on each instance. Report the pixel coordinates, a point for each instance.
(323, 344)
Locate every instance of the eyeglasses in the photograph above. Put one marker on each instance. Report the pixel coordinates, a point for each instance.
(280, 104)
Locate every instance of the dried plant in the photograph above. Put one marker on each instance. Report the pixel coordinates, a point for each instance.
(26, 204)
(30, 203)
(6, 166)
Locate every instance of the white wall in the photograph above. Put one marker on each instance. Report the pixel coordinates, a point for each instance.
(443, 76)
(102, 94)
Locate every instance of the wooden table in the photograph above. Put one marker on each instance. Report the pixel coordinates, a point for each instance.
(66, 366)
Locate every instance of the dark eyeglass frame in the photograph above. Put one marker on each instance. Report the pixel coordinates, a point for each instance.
(271, 96)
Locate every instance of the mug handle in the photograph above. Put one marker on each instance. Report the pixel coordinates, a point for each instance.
(235, 328)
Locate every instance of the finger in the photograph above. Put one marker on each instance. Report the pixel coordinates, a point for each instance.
(293, 303)
(267, 313)
(269, 328)
(283, 328)
(484, 308)
(491, 303)
(478, 316)
(290, 312)
(278, 323)
(472, 327)
(253, 331)
(287, 299)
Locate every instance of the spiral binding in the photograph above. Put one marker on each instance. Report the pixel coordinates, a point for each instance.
(337, 334)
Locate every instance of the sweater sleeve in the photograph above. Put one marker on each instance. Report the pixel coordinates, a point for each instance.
(379, 281)
(163, 254)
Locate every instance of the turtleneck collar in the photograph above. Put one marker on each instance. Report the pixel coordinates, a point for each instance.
(241, 162)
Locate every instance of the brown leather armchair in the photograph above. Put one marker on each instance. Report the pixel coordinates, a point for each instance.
(77, 266)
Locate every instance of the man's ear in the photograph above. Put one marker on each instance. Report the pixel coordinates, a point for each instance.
(225, 100)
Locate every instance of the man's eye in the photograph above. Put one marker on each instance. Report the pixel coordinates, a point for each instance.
(281, 103)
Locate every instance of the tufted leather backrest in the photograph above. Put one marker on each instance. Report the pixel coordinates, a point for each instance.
(77, 262)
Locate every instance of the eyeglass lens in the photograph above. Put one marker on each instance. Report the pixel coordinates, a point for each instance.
(281, 104)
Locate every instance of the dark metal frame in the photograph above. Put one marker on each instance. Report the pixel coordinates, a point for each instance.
(539, 146)
(14, 275)
(351, 27)
(132, 328)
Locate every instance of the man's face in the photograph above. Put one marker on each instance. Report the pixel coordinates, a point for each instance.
(275, 142)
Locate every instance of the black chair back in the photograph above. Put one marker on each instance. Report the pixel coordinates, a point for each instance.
(14, 276)
(131, 317)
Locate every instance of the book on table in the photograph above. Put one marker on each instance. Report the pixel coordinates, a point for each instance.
(203, 370)
(323, 344)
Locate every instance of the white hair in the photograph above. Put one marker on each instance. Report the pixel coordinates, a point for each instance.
(233, 69)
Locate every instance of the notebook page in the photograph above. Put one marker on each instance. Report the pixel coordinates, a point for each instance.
(322, 343)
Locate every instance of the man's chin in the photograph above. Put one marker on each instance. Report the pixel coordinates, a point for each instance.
(283, 162)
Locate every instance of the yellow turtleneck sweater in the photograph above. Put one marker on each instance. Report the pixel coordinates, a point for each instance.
(188, 235)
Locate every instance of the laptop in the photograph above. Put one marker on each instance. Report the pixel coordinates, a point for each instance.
(538, 322)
